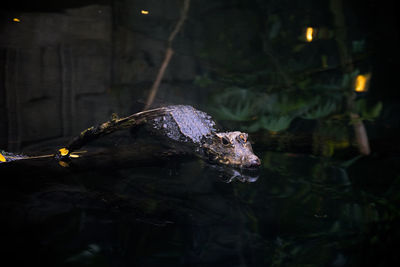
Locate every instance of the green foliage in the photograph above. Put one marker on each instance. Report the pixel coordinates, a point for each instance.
(368, 113)
(268, 75)
(270, 111)
(272, 123)
(289, 104)
(320, 111)
(236, 104)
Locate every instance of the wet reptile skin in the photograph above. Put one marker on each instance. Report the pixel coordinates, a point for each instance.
(195, 129)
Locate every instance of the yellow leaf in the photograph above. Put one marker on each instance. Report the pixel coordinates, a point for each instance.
(63, 164)
(2, 158)
(64, 151)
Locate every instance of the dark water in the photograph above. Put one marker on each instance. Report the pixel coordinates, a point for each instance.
(301, 211)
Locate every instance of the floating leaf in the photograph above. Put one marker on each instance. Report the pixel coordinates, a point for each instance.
(63, 151)
(2, 158)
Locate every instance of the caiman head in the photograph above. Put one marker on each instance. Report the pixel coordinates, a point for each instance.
(232, 149)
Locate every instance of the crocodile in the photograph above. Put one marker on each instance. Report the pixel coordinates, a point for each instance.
(186, 126)
(182, 126)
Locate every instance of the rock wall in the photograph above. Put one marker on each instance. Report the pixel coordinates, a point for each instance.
(57, 76)
(66, 71)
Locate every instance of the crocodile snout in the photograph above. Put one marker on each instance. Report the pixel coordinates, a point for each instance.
(252, 162)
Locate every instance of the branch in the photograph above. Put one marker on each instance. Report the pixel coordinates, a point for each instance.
(168, 54)
(345, 60)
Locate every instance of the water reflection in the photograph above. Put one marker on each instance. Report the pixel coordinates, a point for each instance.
(298, 210)
(229, 174)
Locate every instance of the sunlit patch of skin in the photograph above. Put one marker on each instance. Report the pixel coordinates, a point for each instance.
(233, 149)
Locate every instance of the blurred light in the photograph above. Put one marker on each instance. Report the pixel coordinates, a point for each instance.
(144, 12)
(63, 164)
(63, 151)
(361, 83)
(16, 20)
(309, 34)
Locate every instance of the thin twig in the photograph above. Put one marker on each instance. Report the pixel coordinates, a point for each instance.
(168, 54)
(156, 84)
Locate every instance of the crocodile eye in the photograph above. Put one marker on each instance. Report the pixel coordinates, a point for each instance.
(243, 138)
(225, 141)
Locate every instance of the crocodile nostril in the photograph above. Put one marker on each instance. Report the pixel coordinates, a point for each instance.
(253, 162)
(257, 162)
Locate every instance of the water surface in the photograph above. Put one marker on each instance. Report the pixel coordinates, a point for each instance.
(301, 211)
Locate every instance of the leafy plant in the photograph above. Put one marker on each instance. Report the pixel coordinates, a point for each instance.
(270, 111)
(320, 110)
(273, 123)
(367, 113)
(236, 104)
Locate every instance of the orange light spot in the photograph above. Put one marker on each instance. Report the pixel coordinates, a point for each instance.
(16, 20)
(361, 83)
(144, 12)
(309, 34)
(2, 158)
(63, 151)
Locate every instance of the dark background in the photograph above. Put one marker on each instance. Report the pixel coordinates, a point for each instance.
(67, 65)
